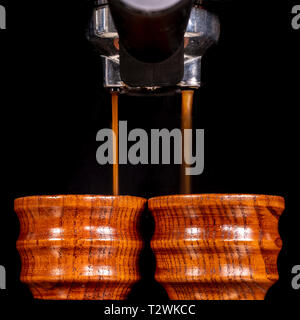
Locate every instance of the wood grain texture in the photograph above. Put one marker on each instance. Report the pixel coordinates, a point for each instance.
(216, 246)
(79, 246)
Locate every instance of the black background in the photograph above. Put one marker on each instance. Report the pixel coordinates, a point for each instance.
(53, 104)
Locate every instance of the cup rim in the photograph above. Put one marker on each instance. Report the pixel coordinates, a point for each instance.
(83, 195)
(179, 200)
(70, 200)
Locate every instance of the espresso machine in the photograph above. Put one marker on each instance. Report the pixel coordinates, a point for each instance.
(152, 45)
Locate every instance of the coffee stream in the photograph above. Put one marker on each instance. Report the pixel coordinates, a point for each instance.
(186, 123)
(115, 128)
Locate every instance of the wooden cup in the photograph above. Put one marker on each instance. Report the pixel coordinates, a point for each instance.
(216, 246)
(79, 247)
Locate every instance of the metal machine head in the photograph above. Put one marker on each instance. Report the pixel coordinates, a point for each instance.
(151, 44)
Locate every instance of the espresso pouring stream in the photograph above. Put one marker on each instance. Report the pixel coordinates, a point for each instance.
(115, 128)
(186, 123)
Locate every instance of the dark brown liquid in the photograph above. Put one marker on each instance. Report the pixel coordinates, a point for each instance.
(186, 123)
(115, 128)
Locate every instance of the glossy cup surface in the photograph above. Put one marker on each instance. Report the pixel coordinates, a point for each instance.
(79, 246)
(216, 246)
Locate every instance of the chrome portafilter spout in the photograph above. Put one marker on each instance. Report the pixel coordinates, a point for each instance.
(152, 45)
